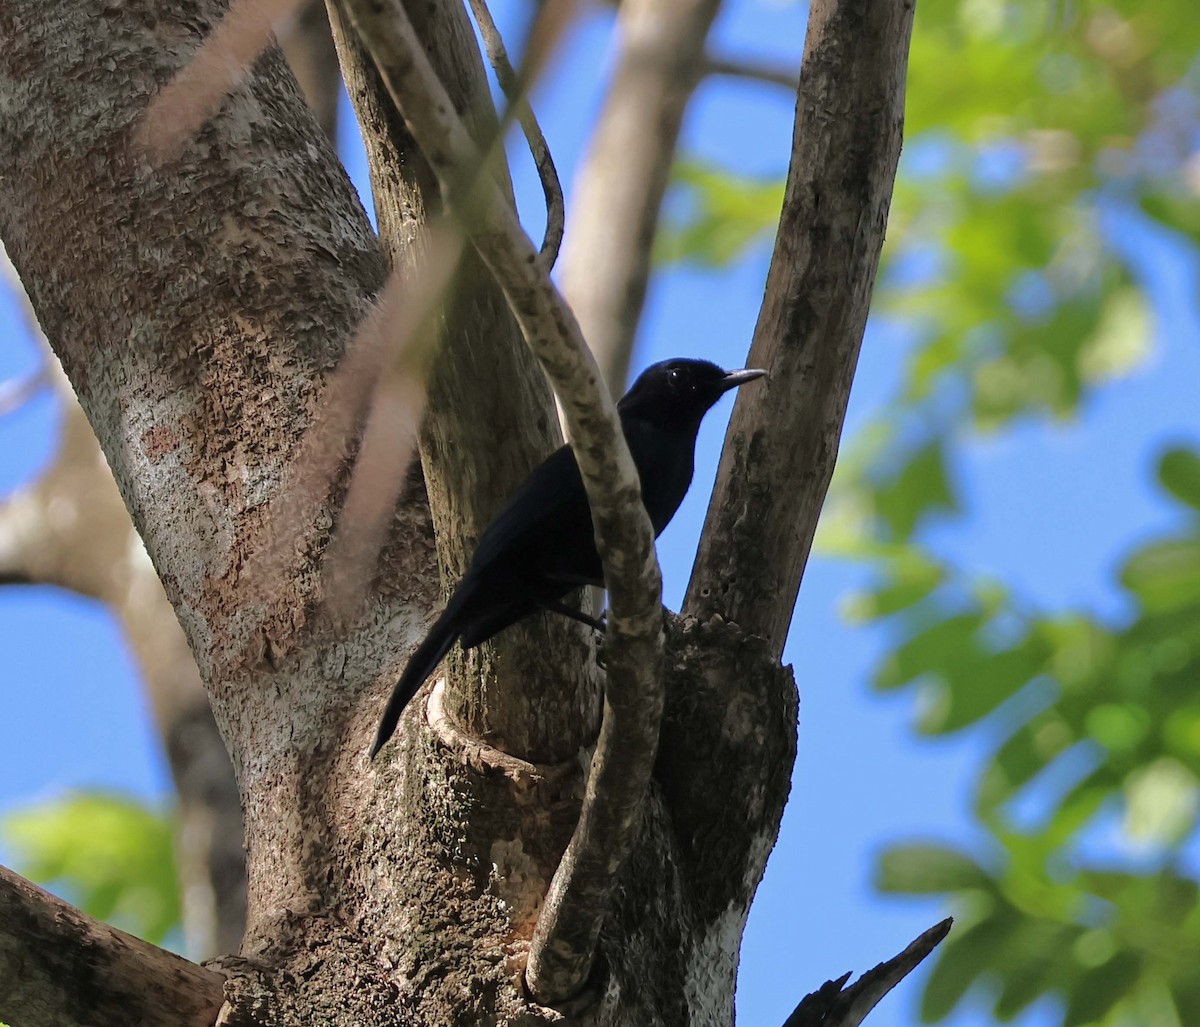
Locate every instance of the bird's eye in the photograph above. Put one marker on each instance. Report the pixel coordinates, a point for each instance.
(674, 376)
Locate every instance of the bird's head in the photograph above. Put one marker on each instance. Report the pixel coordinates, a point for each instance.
(681, 391)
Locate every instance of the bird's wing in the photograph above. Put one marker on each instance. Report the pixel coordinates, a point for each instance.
(546, 527)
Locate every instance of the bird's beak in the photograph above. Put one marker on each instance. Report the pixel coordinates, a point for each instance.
(735, 378)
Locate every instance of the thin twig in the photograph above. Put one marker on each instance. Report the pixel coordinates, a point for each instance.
(754, 71)
(564, 942)
(516, 91)
(835, 1005)
(16, 392)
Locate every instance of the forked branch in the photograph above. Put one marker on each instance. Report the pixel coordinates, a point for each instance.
(565, 939)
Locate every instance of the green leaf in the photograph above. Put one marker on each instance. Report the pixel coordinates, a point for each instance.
(923, 869)
(962, 960)
(920, 487)
(1179, 472)
(113, 856)
(1024, 755)
(907, 581)
(1165, 576)
(1122, 339)
(1098, 990)
(1161, 802)
(1033, 963)
(938, 650)
(726, 213)
(978, 689)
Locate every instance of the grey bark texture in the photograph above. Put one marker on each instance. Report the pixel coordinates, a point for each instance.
(70, 528)
(199, 310)
(845, 146)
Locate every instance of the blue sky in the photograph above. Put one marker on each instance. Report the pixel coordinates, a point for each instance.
(1049, 507)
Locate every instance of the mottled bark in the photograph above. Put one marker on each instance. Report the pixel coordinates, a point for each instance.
(199, 310)
(845, 146)
(70, 528)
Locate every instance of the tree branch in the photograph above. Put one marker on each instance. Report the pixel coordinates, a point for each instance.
(728, 736)
(780, 448)
(620, 187)
(16, 392)
(476, 395)
(61, 968)
(835, 1005)
(515, 90)
(564, 942)
(310, 54)
(753, 71)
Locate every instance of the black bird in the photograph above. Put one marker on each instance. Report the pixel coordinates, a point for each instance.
(541, 546)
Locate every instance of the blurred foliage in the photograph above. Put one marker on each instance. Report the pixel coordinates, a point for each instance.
(110, 855)
(1036, 130)
(1025, 122)
(1100, 733)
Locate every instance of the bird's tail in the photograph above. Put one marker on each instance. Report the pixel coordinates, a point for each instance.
(427, 656)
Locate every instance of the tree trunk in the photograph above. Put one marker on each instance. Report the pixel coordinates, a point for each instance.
(70, 528)
(199, 310)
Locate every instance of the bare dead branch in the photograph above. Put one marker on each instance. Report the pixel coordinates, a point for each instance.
(516, 90)
(835, 1005)
(752, 70)
(620, 188)
(780, 449)
(562, 951)
(61, 968)
(193, 96)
